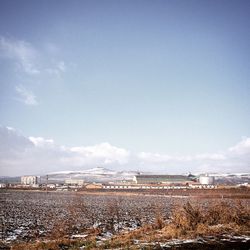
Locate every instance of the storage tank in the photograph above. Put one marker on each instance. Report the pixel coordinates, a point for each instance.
(206, 180)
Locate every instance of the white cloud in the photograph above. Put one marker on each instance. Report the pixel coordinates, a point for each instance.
(31, 62)
(52, 48)
(26, 96)
(37, 155)
(41, 142)
(242, 147)
(22, 52)
(61, 66)
(12, 140)
(29, 59)
(154, 157)
(27, 155)
(103, 152)
(163, 158)
(213, 156)
(57, 68)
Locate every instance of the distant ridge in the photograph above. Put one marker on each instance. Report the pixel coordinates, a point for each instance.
(101, 174)
(97, 174)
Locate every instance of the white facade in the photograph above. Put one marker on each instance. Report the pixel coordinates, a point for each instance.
(29, 180)
(206, 180)
(51, 185)
(2, 185)
(77, 182)
(171, 187)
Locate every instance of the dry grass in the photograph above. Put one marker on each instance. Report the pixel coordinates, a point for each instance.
(215, 215)
(58, 244)
(186, 221)
(189, 221)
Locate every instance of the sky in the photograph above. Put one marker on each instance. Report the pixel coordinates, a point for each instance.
(137, 85)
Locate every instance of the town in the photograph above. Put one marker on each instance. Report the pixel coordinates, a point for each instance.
(139, 182)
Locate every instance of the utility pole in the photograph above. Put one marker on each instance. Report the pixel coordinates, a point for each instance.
(47, 178)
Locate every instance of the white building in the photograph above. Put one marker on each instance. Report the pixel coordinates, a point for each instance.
(206, 179)
(29, 180)
(52, 186)
(76, 182)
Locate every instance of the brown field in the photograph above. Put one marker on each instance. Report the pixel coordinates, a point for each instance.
(217, 193)
(125, 220)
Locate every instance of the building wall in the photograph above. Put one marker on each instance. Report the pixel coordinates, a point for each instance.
(93, 186)
(155, 186)
(208, 180)
(29, 180)
(155, 179)
(74, 182)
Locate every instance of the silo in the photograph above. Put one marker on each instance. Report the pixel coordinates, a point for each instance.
(206, 180)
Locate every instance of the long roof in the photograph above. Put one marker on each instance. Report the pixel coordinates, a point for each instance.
(163, 176)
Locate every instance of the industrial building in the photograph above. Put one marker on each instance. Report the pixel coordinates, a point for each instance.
(76, 182)
(163, 179)
(156, 186)
(2, 185)
(93, 186)
(206, 179)
(29, 180)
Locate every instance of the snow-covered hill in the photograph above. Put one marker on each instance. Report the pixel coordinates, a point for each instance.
(231, 178)
(98, 174)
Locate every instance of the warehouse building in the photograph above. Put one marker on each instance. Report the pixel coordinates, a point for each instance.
(74, 182)
(29, 180)
(205, 179)
(161, 179)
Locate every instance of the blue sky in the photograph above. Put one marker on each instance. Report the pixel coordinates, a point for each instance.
(164, 77)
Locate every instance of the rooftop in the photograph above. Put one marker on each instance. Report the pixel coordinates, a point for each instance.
(163, 176)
